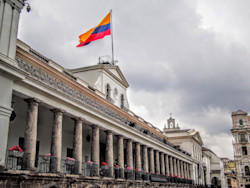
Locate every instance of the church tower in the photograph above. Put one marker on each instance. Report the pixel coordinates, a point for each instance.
(241, 146)
(171, 125)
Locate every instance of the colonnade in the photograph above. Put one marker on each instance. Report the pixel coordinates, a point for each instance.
(149, 160)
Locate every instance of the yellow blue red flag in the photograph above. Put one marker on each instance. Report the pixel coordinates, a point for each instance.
(98, 32)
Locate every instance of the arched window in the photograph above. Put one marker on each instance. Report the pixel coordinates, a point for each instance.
(242, 138)
(241, 122)
(244, 150)
(214, 181)
(108, 91)
(247, 171)
(122, 101)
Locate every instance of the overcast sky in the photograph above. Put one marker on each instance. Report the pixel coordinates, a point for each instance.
(187, 57)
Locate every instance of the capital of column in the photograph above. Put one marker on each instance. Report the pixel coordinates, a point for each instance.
(129, 139)
(119, 136)
(77, 119)
(137, 143)
(109, 132)
(17, 5)
(33, 101)
(57, 110)
(94, 126)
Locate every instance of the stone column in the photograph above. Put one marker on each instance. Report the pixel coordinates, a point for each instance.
(190, 171)
(178, 168)
(77, 145)
(151, 160)
(157, 162)
(162, 163)
(175, 167)
(182, 171)
(30, 134)
(129, 154)
(9, 15)
(186, 170)
(109, 155)
(171, 166)
(138, 156)
(120, 151)
(56, 141)
(145, 158)
(95, 147)
(167, 165)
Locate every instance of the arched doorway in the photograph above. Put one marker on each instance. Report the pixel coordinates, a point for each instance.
(215, 182)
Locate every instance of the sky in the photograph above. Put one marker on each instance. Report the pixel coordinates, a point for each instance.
(187, 57)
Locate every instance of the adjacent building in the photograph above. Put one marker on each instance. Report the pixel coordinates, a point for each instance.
(188, 140)
(241, 146)
(230, 172)
(216, 174)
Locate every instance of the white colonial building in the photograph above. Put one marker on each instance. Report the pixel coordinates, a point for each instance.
(215, 177)
(188, 140)
(75, 126)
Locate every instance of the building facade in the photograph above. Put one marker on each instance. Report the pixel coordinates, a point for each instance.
(74, 128)
(230, 172)
(241, 146)
(216, 174)
(188, 140)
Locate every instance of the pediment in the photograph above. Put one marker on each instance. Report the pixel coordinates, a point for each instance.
(197, 137)
(112, 70)
(239, 112)
(116, 73)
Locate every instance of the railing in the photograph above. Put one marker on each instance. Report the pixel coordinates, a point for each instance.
(68, 166)
(43, 164)
(118, 173)
(129, 174)
(110, 99)
(106, 171)
(16, 161)
(89, 169)
(243, 140)
(138, 175)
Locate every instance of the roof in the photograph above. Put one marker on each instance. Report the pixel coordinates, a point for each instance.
(239, 112)
(108, 68)
(177, 131)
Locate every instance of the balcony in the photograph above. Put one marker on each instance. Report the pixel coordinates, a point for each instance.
(110, 99)
(243, 141)
(17, 160)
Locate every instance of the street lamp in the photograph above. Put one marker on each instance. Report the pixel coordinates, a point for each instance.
(28, 8)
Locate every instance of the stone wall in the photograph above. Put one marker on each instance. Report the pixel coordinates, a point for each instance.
(27, 179)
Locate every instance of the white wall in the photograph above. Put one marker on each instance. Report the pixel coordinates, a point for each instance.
(6, 86)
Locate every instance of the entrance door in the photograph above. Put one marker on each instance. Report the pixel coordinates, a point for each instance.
(102, 152)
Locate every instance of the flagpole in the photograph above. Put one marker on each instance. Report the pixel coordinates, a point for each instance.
(112, 44)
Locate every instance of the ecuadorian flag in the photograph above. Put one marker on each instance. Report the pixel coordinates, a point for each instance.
(97, 32)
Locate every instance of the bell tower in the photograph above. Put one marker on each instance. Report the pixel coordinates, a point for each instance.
(171, 125)
(241, 145)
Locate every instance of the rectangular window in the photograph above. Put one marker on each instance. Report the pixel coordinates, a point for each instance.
(242, 138)
(69, 152)
(244, 150)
